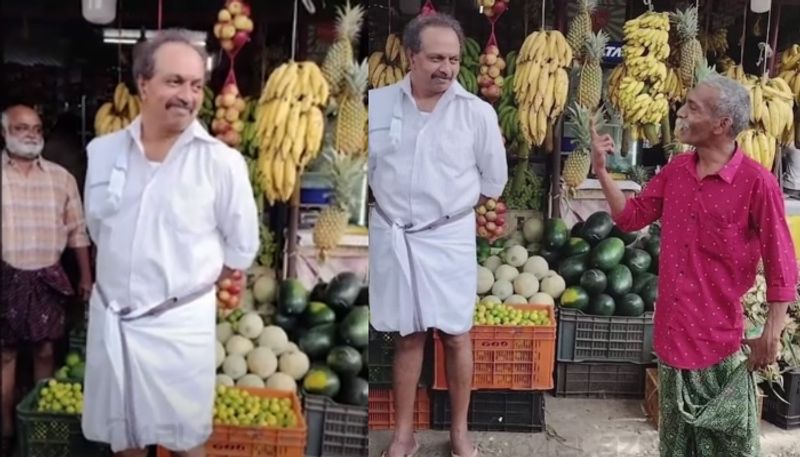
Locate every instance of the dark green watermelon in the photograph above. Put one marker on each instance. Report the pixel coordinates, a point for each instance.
(318, 292)
(630, 305)
(345, 361)
(607, 254)
(575, 246)
(620, 281)
(649, 294)
(594, 281)
(318, 313)
(318, 341)
(363, 297)
(575, 297)
(292, 297)
(342, 292)
(556, 233)
(626, 237)
(287, 323)
(602, 305)
(354, 391)
(572, 268)
(354, 329)
(552, 256)
(576, 230)
(652, 244)
(597, 227)
(321, 380)
(640, 280)
(637, 260)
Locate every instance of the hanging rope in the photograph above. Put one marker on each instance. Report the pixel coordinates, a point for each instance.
(294, 29)
(160, 12)
(744, 35)
(648, 4)
(765, 51)
(544, 12)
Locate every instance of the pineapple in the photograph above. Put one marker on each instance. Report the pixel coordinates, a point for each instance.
(353, 115)
(639, 175)
(703, 70)
(337, 60)
(690, 50)
(580, 27)
(344, 173)
(577, 165)
(590, 86)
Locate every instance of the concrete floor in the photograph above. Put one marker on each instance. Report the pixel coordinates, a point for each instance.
(578, 427)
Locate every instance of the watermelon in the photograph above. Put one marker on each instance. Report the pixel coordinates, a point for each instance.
(287, 323)
(345, 361)
(575, 297)
(354, 391)
(607, 254)
(594, 281)
(649, 293)
(637, 260)
(342, 292)
(602, 305)
(321, 380)
(640, 280)
(354, 329)
(626, 237)
(597, 227)
(552, 256)
(630, 305)
(652, 244)
(317, 341)
(576, 246)
(318, 313)
(556, 233)
(318, 292)
(572, 268)
(620, 281)
(292, 297)
(577, 230)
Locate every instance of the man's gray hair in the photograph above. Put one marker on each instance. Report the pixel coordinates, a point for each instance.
(412, 35)
(733, 101)
(144, 59)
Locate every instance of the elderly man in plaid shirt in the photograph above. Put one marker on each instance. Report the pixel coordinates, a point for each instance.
(42, 215)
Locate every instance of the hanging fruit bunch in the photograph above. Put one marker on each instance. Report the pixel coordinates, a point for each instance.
(340, 55)
(470, 66)
(491, 79)
(491, 219)
(789, 69)
(590, 82)
(289, 126)
(493, 8)
(691, 52)
(234, 26)
(580, 27)
(229, 291)
(715, 43)
(541, 83)
(350, 136)
(390, 65)
(641, 94)
(230, 108)
(771, 119)
(507, 108)
(578, 163)
(118, 113)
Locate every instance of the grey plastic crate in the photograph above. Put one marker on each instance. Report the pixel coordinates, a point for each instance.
(334, 429)
(784, 415)
(587, 338)
(602, 380)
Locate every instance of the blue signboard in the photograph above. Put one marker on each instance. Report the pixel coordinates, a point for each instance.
(613, 54)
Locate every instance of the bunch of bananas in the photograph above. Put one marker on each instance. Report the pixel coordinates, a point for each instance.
(117, 114)
(642, 88)
(724, 63)
(207, 111)
(714, 43)
(541, 83)
(289, 126)
(771, 101)
(470, 66)
(736, 72)
(789, 69)
(759, 146)
(390, 65)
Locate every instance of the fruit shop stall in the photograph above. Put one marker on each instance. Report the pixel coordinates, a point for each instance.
(562, 276)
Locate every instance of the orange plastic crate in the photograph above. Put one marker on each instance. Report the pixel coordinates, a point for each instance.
(381, 409)
(229, 441)
(507, 357)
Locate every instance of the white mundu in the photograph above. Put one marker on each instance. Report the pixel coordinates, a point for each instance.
(427, 172)
(163, 234)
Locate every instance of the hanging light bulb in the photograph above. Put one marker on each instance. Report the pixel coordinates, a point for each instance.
(760, 6)
(99, 11)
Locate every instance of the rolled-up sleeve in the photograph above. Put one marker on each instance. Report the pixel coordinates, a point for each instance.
(645, 208)
(237, 214)
(73, 215)
(491, 154)
(768, 216)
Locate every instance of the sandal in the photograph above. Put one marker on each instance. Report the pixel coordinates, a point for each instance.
(413, 451)
(474, 453)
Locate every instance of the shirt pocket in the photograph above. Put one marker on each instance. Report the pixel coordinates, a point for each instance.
(190, 210)
(718, 239)
(456, 149)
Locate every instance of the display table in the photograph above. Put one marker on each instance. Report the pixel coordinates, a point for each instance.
(793, 217)
(351, 255)
(589, 199)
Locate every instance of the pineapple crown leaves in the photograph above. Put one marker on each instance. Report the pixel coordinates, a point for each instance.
(595, 46)
(703, 70)
(357, 78)
(344, 173)
(582, 118)
(587, 5)
(686, 23)
(349, 20)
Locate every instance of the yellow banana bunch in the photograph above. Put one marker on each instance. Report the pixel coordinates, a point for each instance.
(541, 83)
(714, 43)
(289, 126)
(736, 72)
(118, 113)
(771, 102)
(642, 87)
(724, 63)
(759, 146)
(789, 69)
(390, 65)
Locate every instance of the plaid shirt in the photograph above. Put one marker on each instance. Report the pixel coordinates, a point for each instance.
(41, 214)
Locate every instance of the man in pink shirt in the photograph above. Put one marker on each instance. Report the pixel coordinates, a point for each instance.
(720, 213)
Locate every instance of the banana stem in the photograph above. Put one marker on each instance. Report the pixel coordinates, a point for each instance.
(666, 130)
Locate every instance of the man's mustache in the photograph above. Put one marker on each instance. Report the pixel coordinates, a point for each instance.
(176, 103)
(440, 76)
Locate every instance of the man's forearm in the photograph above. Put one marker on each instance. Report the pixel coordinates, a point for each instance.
(776, 319)
(612, 192)
(84, 262)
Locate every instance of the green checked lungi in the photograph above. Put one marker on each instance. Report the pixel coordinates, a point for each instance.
(710, 412)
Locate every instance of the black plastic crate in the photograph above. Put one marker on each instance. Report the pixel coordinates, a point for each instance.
(587, 338)
(52, 434)
(335, 429)
(381, 357)
(493, 411)
(786, 416)
(603, 380)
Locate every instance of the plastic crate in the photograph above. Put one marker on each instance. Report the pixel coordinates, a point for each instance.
(52, 434)
(785, 416)
(651, 396)
(381, 358)
(587, 338)
(506, 357)
(335, 429)
(230, 441)
(604, 380)
(494, 411)
(381, 408)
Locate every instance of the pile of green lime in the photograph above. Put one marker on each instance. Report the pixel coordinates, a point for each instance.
(239, 408)
(61, 397)
(502, 314)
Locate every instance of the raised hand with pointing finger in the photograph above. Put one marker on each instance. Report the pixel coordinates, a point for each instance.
(602, 145)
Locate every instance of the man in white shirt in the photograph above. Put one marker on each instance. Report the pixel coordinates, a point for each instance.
(171, 211)
(435, 152)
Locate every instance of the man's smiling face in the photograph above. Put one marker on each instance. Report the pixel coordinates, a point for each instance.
(438, 61)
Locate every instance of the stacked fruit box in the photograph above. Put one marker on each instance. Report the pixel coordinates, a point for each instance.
(381, 394)
(513, 360)
(784, 414)
(605, 314)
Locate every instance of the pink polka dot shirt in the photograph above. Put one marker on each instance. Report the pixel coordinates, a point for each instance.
(713, 232)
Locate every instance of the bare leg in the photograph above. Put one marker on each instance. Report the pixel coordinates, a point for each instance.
(9, 378)
(43, 361)
(132, 453)
(199, 451)
(458, 358)
(408, 354)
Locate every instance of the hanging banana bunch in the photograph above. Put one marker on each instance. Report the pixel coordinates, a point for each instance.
(390, 65)
(771, 119)
(118, 113)
(289, 126)
(789, 69)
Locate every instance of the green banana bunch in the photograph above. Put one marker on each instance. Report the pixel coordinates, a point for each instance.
(509, 121)
(511, 63)
(472, 54)
(468, 80)
(249, 144)
(206, 114)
